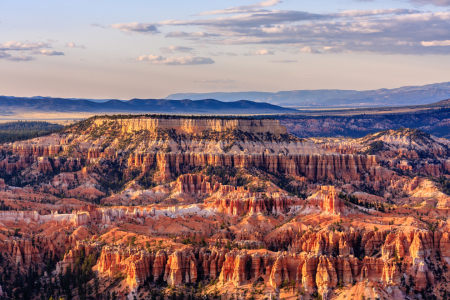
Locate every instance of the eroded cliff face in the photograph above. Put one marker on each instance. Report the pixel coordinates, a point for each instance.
(238, 203)
(406, 149)
(327, 198)
(179, 267)
(198, 184)
(434, 122)
(86, 159)
(189, 126)
(23, 252)
(81, 249)
(230, 205)
(31, 251)
(312, 166)
(316, 262)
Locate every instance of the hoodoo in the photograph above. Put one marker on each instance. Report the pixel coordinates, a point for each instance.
(135, 206)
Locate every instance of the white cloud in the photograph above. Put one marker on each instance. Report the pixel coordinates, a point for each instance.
(222, 54)
(268, 18)
(368, 35)
(135, 27)
(186, 60)
(261, 52)
(172, 49)
(18, 46)
(72, 45)
(308, 49)
(250, 20)
(436, 43)
(375, 12)
(23, 48)
(50, 52)
(379, 31)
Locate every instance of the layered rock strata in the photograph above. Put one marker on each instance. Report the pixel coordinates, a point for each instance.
(314, 167)
(316, 261)
(190, 126)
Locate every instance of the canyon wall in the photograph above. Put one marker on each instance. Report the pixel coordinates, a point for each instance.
(238, 203)
(190, 126)
(228, 199)
(316, 261)
(345, 167)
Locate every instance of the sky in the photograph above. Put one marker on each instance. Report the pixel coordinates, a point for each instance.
(110, 49)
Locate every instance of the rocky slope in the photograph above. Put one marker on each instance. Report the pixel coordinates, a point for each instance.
(432, 119)
(408, 150)
(139, 207)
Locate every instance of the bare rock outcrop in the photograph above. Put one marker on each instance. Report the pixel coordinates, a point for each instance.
(197, 125)
(181, 268)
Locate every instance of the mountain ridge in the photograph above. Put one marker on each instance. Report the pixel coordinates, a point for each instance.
(17, 104)
(406, 95)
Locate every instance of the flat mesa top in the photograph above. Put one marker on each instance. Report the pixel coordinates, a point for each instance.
(196, 125)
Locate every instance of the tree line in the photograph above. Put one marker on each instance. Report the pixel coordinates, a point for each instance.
(24, 130)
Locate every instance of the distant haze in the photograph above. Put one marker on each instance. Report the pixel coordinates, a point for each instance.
(39, 107)
(408, 95)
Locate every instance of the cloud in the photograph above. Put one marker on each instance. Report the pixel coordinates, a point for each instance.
(267, 19)
(373, 33)
(172, 49)
(27, 47)
(436, 43)
(18, 58)
(98, 25)
(18, 46)
(182, 34)
(186, 60)
(284, 61)
(4, 54)
(242, 9)
(378, 31)
(72, 45)
(135, 27)
(434, 2)
(223, 54)
(249, 20)
(21, 58)
(375, 12)
(50, 52)
(308, 49)
(260, 52)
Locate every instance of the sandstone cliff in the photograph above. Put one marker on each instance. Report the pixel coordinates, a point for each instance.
(195, 125)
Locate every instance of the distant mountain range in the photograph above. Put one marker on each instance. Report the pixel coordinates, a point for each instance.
(408, 95)
(15, 105)
(228, 103)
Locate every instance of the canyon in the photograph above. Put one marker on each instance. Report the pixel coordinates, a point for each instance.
(140, 207)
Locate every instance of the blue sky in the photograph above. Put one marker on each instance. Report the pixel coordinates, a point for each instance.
(150, 49)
